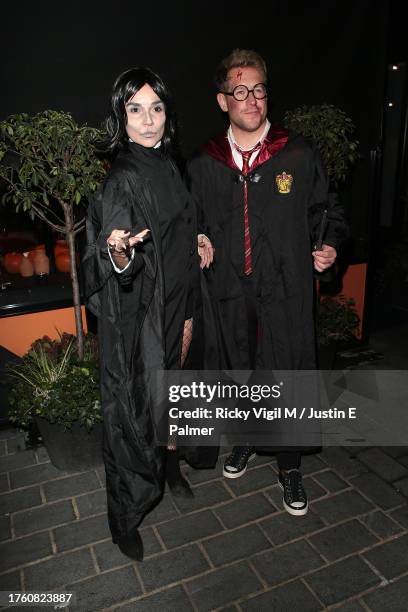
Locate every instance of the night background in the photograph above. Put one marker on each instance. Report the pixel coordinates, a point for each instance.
(67, 55)
(232, 547)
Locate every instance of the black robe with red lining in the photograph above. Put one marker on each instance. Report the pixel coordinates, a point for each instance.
(283, 229)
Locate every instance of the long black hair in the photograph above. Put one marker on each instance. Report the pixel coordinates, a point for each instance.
(124, 88)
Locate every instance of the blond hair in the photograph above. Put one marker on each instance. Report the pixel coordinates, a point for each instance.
(238, 58)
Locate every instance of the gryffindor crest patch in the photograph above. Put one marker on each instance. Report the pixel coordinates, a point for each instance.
(284, 182)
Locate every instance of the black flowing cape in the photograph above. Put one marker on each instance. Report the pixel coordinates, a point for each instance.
(130, 311)
(129, 308)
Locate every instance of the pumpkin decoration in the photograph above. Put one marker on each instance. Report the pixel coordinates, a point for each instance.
(26, 267)
(61, 246)
(61, 256)
(41, 263)
(12, 262)
(62, 261)
(33, 252)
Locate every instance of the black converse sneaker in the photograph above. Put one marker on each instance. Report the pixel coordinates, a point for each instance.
(294, 496)
(236, 463)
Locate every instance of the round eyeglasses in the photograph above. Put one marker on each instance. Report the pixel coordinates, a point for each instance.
(241, 92)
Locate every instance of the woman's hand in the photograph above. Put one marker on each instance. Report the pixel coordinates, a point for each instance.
(120, 243)
(138, 237)
(205, 251)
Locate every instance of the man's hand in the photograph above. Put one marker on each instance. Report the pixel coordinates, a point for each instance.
(325, 258)
(120, 242)
(205, 251)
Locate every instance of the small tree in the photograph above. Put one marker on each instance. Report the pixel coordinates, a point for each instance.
(49, 166)
(331, 130)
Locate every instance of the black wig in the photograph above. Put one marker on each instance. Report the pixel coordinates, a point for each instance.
(124, 88)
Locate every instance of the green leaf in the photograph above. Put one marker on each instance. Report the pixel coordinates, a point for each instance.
(331, 131)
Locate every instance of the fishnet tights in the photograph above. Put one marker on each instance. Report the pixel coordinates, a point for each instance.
(187, 338)
(185, 346)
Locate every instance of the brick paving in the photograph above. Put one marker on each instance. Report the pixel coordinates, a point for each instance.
(231, 548)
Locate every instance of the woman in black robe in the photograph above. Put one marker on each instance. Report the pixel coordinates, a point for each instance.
(142, 281)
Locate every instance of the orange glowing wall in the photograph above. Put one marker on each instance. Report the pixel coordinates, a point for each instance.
(354, 286)
(18, 332)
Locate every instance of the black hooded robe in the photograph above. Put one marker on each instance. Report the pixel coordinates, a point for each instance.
(131, 309)
(284, 221)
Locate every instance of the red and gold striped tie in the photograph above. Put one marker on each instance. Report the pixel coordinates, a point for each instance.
(246, 155)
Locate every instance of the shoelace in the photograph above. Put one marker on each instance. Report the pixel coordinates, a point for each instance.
(297, 478)
(241, 455)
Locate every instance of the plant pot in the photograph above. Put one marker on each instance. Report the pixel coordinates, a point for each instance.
(72, 449)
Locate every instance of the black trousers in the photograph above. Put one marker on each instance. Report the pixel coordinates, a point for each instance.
(287, 460)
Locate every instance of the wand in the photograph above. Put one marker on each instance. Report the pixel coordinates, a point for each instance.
(322, 229)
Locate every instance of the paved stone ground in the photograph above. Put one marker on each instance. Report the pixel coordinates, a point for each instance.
(231, 548)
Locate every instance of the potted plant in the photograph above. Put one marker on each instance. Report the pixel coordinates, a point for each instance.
(336, 321)
(61, 393)
(331, 130)
(50, 169)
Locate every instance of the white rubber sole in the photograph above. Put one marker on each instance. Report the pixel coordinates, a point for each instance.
(242, 472)
(293, 511)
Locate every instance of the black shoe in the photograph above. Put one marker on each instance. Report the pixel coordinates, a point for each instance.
(181, 489)
(294, 496)
(131, 545)
(236, 463)
(178, 485)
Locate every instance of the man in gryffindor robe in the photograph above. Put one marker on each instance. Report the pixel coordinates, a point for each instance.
(261, 194)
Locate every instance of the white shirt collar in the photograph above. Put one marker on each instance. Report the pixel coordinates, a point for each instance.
(233, 142)
(236, 154)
